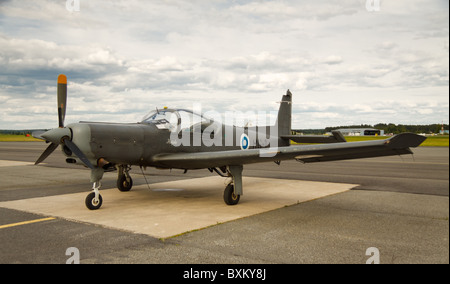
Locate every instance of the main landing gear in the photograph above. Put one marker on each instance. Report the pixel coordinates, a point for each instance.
(233, 191)
(231, 194)
(124, 183)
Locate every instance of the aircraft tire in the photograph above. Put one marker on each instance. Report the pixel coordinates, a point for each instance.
(229, 197)
(123, 185)
(91, 204)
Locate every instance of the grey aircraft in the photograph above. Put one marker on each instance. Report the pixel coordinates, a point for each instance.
(181, 139)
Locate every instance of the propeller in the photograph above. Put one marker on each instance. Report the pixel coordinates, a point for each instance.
(62, 99)
(61, 135)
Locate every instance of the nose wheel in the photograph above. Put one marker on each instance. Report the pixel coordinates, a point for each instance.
(92, 203)
(94, 200)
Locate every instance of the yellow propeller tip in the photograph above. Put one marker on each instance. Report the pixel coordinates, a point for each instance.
(62, 79)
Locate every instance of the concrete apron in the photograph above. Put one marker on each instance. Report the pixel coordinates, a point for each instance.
(171, 208)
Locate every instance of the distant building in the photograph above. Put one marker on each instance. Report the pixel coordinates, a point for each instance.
(361, 132)
(443, 131)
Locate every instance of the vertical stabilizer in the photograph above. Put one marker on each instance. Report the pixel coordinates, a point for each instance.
(284, 115)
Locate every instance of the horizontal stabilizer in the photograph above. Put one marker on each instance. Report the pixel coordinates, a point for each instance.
(405, 140)
(337, 137)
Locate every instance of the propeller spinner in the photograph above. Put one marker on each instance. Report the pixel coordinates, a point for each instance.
(62, 135)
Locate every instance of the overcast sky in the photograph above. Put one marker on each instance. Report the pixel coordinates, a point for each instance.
(345, 61)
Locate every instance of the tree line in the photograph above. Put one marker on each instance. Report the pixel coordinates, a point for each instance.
(397, 128)
(18, 132)
(387, 127)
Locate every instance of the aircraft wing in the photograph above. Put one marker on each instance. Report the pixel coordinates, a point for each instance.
(397, 145)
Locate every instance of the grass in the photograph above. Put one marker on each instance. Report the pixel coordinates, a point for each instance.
(17, 138)
(363, 138)
(432, 141)
(436, 141)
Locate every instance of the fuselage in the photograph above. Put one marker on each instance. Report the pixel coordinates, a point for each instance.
(138, 143)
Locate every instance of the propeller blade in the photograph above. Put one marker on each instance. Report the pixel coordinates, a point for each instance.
(62, 98)
(56, 135)
(46, 153)
(78, 153)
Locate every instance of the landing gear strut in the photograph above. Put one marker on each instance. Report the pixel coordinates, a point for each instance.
(124, 181)
(94, 200)
(233, 191)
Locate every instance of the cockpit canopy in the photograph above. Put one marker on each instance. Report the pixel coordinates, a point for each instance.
(175, 119)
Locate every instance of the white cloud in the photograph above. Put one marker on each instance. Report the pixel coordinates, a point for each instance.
(332, 59)
(124, 58)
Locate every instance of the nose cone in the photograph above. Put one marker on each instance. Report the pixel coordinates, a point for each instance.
(55, 135)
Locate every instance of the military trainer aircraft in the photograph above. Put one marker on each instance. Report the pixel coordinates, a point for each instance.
(182, 139)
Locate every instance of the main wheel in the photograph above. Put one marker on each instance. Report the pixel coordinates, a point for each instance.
(123, 184)
(91, 203)
(229, 197)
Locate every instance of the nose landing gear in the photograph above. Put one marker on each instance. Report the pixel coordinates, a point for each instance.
(124, 183)
(94, 200)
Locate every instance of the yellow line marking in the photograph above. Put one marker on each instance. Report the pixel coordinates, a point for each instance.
(26, 222)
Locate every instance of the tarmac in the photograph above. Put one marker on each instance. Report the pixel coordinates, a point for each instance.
(293, 213)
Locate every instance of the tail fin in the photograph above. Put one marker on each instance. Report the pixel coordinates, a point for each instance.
(285, 115)
(284, 119)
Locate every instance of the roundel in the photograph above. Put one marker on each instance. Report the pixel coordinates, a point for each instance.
(245, 142)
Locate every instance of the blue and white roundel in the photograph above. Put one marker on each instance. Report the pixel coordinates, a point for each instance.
(245, 142)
